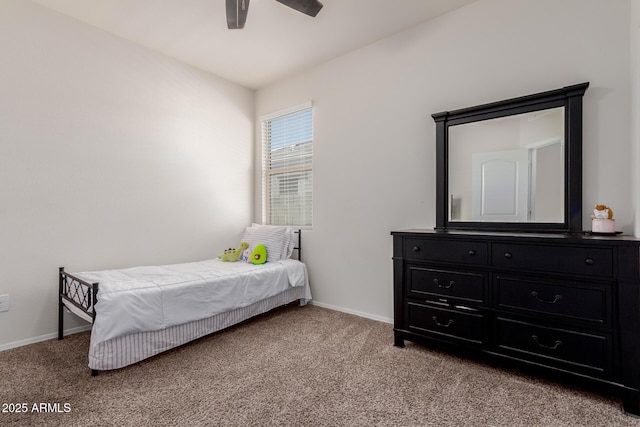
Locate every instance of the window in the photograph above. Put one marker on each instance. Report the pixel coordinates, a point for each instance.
(287, 172)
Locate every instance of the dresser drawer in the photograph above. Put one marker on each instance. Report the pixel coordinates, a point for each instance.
(584, 261)
(443, 285)
(572, 300)
(555, 347)
(473, 253)
(450, 323)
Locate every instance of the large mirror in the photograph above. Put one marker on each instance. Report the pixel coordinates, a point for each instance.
(513, 164)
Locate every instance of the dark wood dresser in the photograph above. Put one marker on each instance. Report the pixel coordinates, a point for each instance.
(559, 303)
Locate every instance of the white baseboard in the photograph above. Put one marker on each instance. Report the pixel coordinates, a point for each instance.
(43, 337)
(354, 312)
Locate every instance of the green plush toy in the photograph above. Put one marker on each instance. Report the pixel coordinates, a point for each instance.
(259, 254)
(232, 255)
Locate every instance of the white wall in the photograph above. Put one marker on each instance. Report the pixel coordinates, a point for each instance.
(110, 156)
(374, 165)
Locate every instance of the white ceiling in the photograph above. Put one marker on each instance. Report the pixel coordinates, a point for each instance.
(276, 41)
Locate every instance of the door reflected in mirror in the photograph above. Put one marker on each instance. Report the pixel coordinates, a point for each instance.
(508, 169)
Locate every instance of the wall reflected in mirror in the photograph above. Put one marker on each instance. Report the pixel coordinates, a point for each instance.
(508, 169)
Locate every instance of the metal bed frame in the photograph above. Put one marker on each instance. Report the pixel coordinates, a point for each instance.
(84, 295)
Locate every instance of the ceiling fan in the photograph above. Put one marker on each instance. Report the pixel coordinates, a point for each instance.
(237, 10)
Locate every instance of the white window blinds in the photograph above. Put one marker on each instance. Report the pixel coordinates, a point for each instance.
(287, 173)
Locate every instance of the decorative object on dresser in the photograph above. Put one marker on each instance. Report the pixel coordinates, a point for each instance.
(602, 221)
(562, 303)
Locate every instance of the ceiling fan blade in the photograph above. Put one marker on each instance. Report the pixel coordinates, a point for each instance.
(308, 7)
(237, 13)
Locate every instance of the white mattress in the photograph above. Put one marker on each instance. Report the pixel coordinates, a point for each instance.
(142, 299)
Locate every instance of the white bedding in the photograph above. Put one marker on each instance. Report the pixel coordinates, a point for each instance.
(143, 299)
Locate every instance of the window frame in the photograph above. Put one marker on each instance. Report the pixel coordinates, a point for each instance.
(267, 172)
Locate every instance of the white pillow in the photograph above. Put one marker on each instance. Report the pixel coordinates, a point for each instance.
(290, 239)
(275, 238)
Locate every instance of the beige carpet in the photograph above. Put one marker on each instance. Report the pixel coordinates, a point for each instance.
(294, 366)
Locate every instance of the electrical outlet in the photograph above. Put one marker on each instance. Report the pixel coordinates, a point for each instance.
(4, 302)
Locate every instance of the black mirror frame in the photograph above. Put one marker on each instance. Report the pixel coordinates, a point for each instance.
(569, 97)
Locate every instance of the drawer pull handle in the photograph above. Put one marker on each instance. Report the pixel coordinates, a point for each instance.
(472, 253)
(557, 344)
(440, 285)
(444, 325)
(588, 261)
(508, 255)
(555, 299)
(416, 249)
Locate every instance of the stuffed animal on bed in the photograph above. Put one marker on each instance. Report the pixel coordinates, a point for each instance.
(259, 254)
(232, 254)
(246, 255)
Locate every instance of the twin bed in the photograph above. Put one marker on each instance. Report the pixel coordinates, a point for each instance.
(139, 312)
